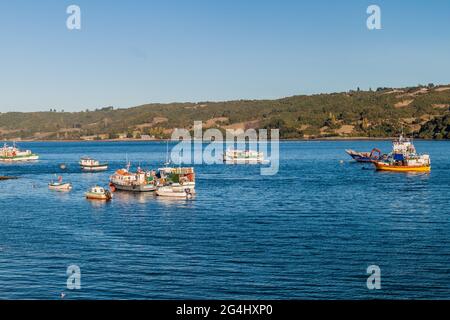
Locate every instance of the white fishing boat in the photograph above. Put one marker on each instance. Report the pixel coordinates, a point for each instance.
(233, 156)
(174, 192)
(14, 154)
(60, 186)
(98, 193)
(89, 164)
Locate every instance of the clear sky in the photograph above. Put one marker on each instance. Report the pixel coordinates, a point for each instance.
(134, 52)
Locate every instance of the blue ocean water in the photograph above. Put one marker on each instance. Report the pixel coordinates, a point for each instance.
(309, 232)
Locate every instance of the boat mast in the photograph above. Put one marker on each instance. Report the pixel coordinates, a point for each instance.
(167, 154)
(128, 162)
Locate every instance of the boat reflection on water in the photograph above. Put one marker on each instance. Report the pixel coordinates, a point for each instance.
(170, 202)
(131, 198)
(411, 174)
(95, 204)
(174, 201)
(134, 197)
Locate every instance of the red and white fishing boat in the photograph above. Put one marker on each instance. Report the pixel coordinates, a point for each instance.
(139, 181)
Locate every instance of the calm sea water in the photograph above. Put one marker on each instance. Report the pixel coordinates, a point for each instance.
(309, 232)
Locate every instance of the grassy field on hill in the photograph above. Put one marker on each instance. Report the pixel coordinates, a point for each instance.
(422, 111)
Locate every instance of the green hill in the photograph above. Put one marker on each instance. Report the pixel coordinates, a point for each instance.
(421, 111)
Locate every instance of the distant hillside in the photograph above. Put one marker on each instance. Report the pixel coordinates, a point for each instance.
(422, 111)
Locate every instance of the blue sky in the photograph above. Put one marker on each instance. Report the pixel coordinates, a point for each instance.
(134, 52)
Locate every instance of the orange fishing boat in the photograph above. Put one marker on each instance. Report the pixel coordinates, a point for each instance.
(400, 168)
(404, 158)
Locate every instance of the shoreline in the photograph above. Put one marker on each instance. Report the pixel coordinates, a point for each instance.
(170, 140)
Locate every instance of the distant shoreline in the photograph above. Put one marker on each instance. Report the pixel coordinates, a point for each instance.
(281, 140)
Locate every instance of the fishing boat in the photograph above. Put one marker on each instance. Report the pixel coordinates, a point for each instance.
(98, 193)
(404, 158)
(89, 164)
(184, 177)
(375, 154)
(3, 178)
(59, 185)
(139, 181)
(14, 154)
(175, 182)
(174, 192)
(233, 156)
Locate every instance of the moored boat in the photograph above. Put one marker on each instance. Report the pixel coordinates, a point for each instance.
(98, 193)
(233, 156)
(181, 176)
(2, 178)
(59, 185)
(89, 164)
(139, 181)
(384, 166)
(404, 158)
(14, 154)
(375, 154)
(174, 192)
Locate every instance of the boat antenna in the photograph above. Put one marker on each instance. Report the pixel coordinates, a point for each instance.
(128, 162)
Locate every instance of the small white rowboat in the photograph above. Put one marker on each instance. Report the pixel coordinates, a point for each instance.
(60, 186)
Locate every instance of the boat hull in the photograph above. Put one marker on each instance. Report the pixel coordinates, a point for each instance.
(358, 158)
(394, 168)
(246, 161)
(19, 159)
(95, 196)
(61, 187)
(133, 188)
(181, 188)
(364, 157)
(171, 193)
(361, 159)
(94, 168)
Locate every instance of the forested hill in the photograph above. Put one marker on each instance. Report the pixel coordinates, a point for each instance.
(421, 111)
